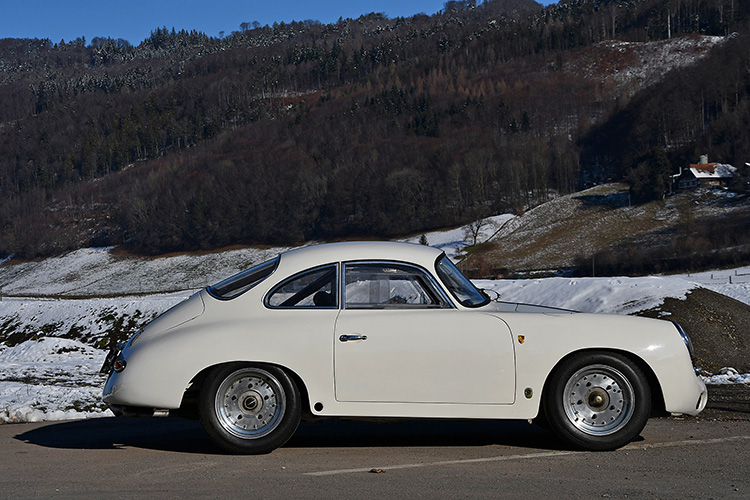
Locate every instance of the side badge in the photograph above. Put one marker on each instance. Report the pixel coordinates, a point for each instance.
(521, 339)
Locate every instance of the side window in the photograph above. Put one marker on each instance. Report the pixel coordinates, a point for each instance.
(389, 286)
(244, 281)
(313, 288)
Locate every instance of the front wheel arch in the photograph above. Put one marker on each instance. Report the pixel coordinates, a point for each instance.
(658, 406)
(633, 378)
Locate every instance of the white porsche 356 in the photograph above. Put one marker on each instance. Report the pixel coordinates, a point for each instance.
(384, 330)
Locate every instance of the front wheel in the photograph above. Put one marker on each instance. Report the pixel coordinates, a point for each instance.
(249, 409)
(597, 401)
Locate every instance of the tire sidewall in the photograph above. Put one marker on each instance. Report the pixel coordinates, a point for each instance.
(253, 446)
(560, 423)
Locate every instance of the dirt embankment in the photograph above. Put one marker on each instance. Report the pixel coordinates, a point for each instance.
(719, 327)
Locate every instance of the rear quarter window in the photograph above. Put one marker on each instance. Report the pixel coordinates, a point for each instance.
(244, 281)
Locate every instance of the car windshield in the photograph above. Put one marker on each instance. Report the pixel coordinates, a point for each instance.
(460, 287)
(244, 281)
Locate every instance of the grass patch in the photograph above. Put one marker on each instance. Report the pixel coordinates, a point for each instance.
(86, 406)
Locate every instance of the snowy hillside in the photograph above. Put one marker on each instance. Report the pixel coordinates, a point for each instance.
(100, 272)
(55, 315)
(614, 60)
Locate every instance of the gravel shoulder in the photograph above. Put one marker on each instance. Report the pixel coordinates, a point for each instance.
(727, 403)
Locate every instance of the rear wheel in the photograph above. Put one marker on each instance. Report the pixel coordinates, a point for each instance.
(597, 401)
(249, 409)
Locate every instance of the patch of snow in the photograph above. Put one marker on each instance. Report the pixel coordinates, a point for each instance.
(734, 283)
(593, 295)
(726, 376)
(50, 379)
(21, 402)
(454, 241)
(91, 318)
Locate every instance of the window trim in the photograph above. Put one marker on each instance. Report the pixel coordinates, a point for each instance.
(486, 300)
(275, 288)
(443, 298)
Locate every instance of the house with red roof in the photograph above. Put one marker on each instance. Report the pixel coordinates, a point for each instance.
(705, 174)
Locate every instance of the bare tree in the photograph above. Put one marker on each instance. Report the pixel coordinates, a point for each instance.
(474, 230)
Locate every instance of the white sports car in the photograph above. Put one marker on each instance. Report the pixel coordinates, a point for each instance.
(385, 330)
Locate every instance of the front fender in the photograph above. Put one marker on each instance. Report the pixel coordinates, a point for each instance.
(543, 340)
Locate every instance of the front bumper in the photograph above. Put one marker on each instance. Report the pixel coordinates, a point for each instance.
(138, 411)
(690, 400)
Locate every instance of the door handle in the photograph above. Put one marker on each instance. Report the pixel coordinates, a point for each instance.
(347, 338)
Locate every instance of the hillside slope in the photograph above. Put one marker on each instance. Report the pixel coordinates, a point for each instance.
(266, 136)
(600, 222)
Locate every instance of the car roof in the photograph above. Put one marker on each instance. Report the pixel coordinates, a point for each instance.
(314, 255)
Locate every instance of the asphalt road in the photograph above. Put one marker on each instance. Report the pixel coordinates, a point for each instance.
(706, 457)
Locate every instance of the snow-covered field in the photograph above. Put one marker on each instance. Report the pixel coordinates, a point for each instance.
(55, 314)
(50, 379)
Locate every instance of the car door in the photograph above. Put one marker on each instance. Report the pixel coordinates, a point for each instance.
(399, 339)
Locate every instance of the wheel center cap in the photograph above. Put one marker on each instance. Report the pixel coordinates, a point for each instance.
(597, 399)
(251, 402)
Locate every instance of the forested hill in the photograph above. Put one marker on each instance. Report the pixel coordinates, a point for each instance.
(369, 127)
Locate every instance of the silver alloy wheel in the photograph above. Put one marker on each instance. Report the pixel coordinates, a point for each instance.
(250, 403)
(599, 400)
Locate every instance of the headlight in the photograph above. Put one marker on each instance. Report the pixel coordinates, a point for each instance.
(685, 339)
(120, 364)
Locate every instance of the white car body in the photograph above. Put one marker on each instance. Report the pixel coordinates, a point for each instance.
(487, 362)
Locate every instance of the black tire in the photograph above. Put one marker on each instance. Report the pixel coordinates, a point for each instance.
(249, 409)
(597, 401)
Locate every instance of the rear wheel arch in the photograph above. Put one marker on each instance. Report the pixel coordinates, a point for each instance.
(188, 407)
(249, 408)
